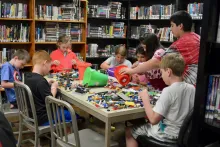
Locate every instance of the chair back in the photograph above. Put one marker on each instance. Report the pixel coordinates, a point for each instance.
(185, 131)
(26, 105)
(55, 109)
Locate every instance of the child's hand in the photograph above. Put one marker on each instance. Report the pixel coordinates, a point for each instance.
(144, 94)
(125, 71)
(56, 62)
(54, 85)
(135, 64)
(73, 61)
(50, 81)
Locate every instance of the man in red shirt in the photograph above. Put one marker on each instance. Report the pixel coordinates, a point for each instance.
(187, 44)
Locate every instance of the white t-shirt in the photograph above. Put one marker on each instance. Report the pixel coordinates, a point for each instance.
(112, 62)
(174, 104)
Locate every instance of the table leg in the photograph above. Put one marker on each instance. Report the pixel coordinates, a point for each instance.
(107, 133)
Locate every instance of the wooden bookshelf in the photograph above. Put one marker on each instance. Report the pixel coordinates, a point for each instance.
(32, 45)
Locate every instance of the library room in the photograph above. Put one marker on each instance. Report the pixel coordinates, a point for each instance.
(109, 73)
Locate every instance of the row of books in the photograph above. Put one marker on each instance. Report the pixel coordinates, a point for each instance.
(213, 98)
(115, 30)
(51, 31)
(13, 10)
(6, 54)
(164, 33)
(152, 12)
(93, 50)
(112, 10)
(66, 11)
(15, 33)
(195, 10)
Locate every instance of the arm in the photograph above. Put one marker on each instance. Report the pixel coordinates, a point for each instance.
(5, 72)
(106, 64)
(146, 66)
(153, 117)
(54, 87)
(6, 84)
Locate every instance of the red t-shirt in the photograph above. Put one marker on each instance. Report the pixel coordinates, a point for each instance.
(188, 46)
(65, 61)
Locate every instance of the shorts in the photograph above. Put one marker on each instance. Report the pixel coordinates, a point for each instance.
(67, 116)
(153, 131)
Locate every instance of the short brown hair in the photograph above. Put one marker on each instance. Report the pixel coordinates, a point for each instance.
(41, 56)
(175, 62)
(121, 50)
(63, 39)
(22, 55)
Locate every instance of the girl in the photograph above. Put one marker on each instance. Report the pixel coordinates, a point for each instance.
(154, 50)
(119, 59)
(141, 57)
(63, 58)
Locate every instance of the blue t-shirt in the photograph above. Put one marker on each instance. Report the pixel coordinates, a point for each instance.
(7, 74)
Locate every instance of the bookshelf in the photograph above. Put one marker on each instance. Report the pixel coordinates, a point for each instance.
(131, 19)
(34, 13)
(206, 129)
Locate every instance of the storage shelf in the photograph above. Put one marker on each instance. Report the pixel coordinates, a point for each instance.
(106, 38)
(56, 42)
(28, 65)
(160, 41)
(16, 19)
(212, 125)
(102, 18)
(65, 21)
(15, 42)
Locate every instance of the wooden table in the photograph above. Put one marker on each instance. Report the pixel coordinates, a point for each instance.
(108, 117)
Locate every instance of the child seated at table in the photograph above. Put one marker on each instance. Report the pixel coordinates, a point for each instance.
(63, 58)
(19, 59)
(40, 87)
(118, 59)
(141, 57)
(174, 104)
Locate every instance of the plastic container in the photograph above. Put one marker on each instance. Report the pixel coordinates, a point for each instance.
(111, 71)
(81, 68)
(122, 79)
(94, 78)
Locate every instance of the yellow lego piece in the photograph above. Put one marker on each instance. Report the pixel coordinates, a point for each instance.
(129, 103)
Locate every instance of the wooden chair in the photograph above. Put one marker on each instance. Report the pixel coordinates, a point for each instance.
(183, 138)
(27, 114)
(59, 136)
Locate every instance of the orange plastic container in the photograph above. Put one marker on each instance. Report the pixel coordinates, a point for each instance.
(122, 79)
(82, 67)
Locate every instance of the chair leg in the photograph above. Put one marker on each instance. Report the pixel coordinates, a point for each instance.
(36, 140)
(20, 131)
(53, 141)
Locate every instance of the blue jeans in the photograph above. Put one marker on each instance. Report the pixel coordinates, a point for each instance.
(67, 116)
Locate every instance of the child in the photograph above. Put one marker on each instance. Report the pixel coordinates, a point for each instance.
(153, 49)
(119, 59)
(174, 104)
(19, 59)
(40, 87)
(141, 57)
(187, 45)
(63, 58)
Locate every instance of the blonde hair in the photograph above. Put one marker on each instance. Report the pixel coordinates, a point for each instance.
(121, 50)
(175, 62)
(63, 39)
(22, 55)
(41, 56)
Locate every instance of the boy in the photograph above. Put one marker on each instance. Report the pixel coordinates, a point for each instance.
(40, 87)
(19, 59)
(174, 104)
(187, 45)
